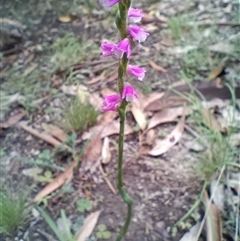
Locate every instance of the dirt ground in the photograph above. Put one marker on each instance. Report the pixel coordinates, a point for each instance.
(164, 187)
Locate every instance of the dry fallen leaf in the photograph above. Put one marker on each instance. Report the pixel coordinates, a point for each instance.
(107, 130)
(163, 146)
(12, 120)
(30, 69)
(210, 120)
(151, 98)
(166, 115)
(157, 67)
(150, 137)
(162, 103)
(88, 226)
(93, 149)
(139, 117)
(107, 117)
(55, 131)
(67, 18)
(191, 235)
(64, 177)
(106, 154)
(216, 72)
(213, 220)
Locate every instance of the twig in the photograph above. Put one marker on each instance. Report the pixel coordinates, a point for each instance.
(106, 180)
(49, 139)
(99, 68)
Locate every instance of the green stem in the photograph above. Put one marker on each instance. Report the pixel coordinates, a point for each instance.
(121, 22)
(126, 198)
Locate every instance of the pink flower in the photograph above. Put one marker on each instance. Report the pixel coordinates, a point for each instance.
(128, 92)
(135, 15)
(136, 71)
(137, 33)
(107, 49)
(109, 3)
(111, 102)
(123, 47)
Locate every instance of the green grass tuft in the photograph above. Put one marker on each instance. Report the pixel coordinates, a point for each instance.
(79, 116)
(13, 213)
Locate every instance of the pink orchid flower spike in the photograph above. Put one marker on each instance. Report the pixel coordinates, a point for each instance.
(107, 49)
(137, 33)
(136, 71)
(129, 93)
(123, 47)
(135, 15)
(109, 3)
(111, 102)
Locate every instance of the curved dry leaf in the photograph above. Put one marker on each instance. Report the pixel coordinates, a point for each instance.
(88, 226)
(210, 120)
(216, 72)
(139, 117)
(64, 177)
(165, 115)
(157, 67)
(163, 146)
(106, 154)
(93, 149)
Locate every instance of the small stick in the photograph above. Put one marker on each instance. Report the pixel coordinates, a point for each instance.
(106, 180)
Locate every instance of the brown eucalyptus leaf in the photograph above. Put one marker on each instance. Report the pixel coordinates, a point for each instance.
(56, 132)
(106, 154)
(165, 115)
(162, 146)
(88, 226)
(93, 149)
(12, 120)
(139, 117)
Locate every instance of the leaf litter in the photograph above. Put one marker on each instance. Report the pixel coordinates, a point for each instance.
(88, 226)
(162, 146)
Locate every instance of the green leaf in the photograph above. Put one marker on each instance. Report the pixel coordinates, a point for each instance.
(81, 209)
(106, 234)
(48, 174)
(101, 227)
(99, 234)
(51, 223)
(88, 205)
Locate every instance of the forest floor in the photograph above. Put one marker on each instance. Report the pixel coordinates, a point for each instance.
(182, 135)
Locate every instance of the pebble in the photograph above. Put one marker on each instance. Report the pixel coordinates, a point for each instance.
(47, 118)
(160, 225)
(29, 138)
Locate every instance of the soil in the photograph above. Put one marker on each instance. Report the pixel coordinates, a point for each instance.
(163, 188)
